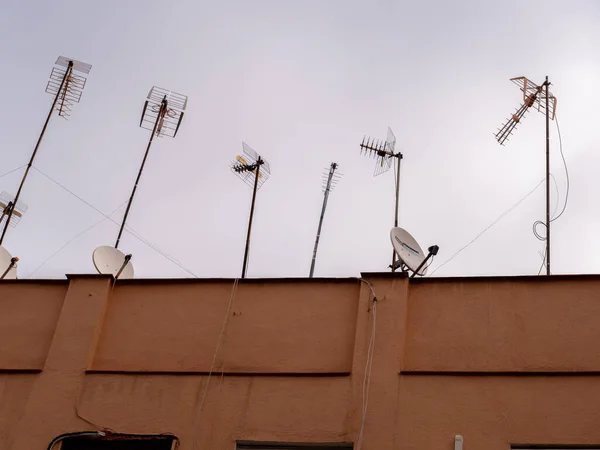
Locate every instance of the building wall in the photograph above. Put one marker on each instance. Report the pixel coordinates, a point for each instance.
(500, 361)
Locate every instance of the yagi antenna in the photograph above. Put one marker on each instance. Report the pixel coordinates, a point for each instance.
(539, 97)
(330, 179)
(66, 85)
(162, 114)
(253, 170)
(384, 152)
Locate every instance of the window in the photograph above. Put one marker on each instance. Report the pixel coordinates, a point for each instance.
(118, 443)
(246, 445)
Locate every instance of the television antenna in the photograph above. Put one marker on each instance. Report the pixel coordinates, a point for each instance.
(66, 85)
(384, 153)
(410, 255)
(162, 114)
(330, 179)
(539, 97)
(253, 170)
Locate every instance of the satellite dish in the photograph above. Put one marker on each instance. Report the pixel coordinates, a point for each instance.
(7, 267)
(408, 249)
(109, 261)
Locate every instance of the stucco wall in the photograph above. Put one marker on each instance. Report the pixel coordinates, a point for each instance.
(511, 325)
(274, 327)
(28, 315)
(499, 361)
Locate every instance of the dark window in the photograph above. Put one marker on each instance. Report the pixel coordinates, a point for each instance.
(244, 445)
(86, 443)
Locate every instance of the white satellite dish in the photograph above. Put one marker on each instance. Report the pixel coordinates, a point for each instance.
(109, 261)
(10, 273)
(408, 249)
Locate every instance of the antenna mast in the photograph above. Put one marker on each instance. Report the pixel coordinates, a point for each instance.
(383, 152)
(248, 169)
(331, 179)
(163, 113)
(67, 87)
(540, 98)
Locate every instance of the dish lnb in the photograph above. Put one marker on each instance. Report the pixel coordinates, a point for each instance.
(410, 255)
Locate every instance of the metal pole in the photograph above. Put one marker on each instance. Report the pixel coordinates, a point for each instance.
(163, 107)
(326, 196)
(245, 264)
(399, 156)
(547, 181)
(37, 146)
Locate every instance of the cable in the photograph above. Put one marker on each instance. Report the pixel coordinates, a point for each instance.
(136, 235)
(212, 365)
(11, 171)
(539, 222)
(560, 146)
(71, 240)
(487, 228)
(130, 230)
(72, 193)
(543, 262)
(368, 369)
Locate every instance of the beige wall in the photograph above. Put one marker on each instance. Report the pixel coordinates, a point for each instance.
(500, 361)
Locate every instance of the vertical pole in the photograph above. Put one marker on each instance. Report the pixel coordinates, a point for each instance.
(256, 175)
(547, 180)
(37, 146)
(326, 196)
(399, 156)
(163, 108)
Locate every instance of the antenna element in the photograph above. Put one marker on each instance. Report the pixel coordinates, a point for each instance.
(539, 97)
(330, 179)
(253, 170)
(384, 152)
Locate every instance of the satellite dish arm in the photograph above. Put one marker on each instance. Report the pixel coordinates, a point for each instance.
(433, 250)
(13, 262)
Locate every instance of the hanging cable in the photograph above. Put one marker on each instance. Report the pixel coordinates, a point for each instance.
(543, 262)
(562, 155)
(368, 364)
(539, 222)
(11, 171)
(212, 364)
(509, 210)
(130, 230)
(71, 240)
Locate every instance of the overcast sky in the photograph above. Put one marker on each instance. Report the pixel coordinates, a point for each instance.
(301, 83)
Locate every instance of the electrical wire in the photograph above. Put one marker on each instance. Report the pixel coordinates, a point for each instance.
(368, 364)
(11, 171)
(130, 230)
(71, 240)
(560, 146)
(367, 376)
(504, 214)
(212, 364)
(543, 262)
(554, 216)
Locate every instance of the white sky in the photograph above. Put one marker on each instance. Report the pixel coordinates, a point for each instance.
(302, 82)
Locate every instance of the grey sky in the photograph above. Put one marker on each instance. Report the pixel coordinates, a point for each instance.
(302, 82)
